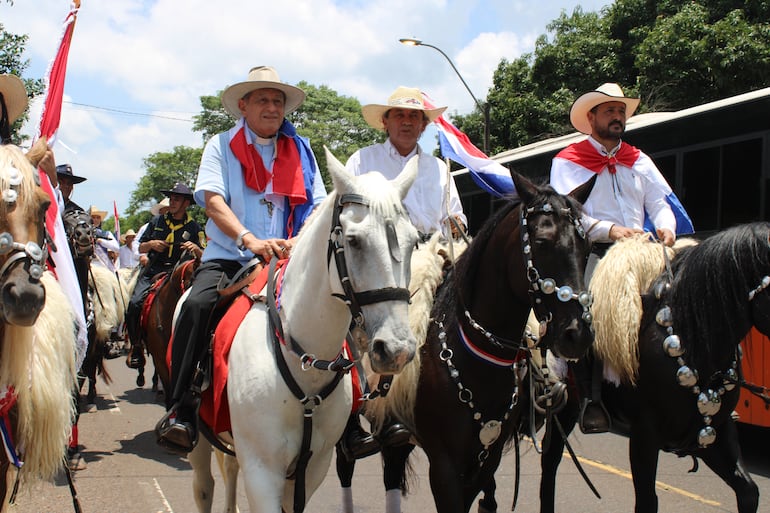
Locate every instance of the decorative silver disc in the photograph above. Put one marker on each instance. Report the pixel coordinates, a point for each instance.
(490, 432)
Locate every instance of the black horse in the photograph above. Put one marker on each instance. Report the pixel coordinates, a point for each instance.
(80, 237)
(689, 373)
(469, 398)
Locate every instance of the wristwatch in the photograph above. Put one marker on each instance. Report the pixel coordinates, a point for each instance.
(239, 240)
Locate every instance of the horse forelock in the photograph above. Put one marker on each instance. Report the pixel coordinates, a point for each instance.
(12, 157)
(709, 299)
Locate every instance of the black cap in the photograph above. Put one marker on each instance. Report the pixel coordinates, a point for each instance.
(180, 189)
(65, 171)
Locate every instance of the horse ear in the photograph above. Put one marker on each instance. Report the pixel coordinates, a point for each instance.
(342, 180)
(406, 178)
(582, 192)
(524, 187)
(37, 152)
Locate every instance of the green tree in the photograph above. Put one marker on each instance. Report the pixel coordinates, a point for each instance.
(12, 62)
(673, 54)
(213, 118)
(163, 170)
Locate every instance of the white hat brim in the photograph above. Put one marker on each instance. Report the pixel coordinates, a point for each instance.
(578, 113)
(230, 96)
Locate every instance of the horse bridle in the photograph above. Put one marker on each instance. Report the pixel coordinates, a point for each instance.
(355, 300)
(30, 251)
(540, 287)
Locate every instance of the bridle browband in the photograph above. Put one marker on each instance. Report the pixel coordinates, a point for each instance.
(540, 287)
(33, 252)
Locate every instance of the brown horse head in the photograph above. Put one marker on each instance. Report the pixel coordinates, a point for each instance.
(80, 233)
(23, 249)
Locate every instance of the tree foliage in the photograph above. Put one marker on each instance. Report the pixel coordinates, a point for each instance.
(673, 54)
(12, 62)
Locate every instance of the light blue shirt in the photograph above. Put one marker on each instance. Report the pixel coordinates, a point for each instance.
(260, 212)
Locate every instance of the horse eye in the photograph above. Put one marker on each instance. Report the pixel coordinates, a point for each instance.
(353, 242)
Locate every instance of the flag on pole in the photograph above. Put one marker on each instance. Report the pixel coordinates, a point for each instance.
(117, 219)
(488, 174)
(48, 126)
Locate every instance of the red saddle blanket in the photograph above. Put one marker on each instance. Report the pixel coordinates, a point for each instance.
(215, 410)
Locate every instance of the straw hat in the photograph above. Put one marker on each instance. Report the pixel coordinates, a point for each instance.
(15, 96)
(261, 77)
(93, 211)
(578, 114)
(402, 98)
(156, 208)
(129, 233)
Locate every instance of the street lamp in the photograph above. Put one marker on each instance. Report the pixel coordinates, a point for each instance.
(483, 108)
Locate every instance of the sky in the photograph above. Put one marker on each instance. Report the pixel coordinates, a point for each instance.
(137, 68)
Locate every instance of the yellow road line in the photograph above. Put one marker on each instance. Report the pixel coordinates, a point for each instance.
(659, 484)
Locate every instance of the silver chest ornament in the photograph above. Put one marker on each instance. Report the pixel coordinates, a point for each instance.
(490, 432)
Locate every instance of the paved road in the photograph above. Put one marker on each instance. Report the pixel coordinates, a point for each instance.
(128, 473)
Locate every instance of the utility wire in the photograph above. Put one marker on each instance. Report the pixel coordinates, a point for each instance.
(129, 113)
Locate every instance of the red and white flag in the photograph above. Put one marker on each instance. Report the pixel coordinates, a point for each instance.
(49, 124)
(117, 219)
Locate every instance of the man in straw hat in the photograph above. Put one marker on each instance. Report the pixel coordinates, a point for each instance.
(628, 186)
(259, 181)
(105, 243)
(404, 118)
(165, 240)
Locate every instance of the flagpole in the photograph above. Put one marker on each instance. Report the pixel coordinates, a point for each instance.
(448, 221)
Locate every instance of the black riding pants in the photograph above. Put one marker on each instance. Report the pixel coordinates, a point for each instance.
(192, 328)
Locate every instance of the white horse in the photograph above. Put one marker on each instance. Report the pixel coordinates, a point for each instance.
(353, 252)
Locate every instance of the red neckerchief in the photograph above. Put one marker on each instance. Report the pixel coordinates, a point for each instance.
(585, 154)
(288, 179)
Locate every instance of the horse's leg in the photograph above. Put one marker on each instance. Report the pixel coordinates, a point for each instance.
(446, 484)
(724, 458)
(155, 382)
(552, 452)
(228, 467)
(6, 483)
(644, 468)
(394, 475)
(203, 480)
(487, 503)
(345, 470)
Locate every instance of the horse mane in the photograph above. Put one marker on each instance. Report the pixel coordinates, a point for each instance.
(619, 280)
(427, 268)
(12, 156)
(710, 289)
(110, 298)
(39, 361)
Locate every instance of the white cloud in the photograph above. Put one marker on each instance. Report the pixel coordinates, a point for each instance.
(159, 56)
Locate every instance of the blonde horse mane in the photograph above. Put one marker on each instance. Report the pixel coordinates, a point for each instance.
(428, 263)
(620, 278)
(110, 298)
(39, 362)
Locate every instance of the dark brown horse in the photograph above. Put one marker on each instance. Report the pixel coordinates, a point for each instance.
(688, 377)
(473, 365)
(37, 327)
(157, 317)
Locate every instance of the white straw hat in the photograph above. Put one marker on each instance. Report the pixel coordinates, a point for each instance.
(578, 114)
(402, 98)
(15, 96)
(261, 77)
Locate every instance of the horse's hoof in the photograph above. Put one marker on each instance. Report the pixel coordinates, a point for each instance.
(90, 408)
(140, 380)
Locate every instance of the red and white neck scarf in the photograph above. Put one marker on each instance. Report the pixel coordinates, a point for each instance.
(585, 154)
(287, 174)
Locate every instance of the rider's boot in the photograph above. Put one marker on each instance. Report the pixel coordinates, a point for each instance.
(177, 431)
(356, 442)
(594, 417)
(393, 433)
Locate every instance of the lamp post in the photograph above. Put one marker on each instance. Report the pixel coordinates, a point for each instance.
(483, 108)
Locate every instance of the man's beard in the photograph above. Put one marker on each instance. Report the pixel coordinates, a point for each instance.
(608, 133)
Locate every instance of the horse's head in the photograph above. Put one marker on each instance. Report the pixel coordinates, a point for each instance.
(23, 248)
(372, 241)
(80, 233)
(556, 249)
